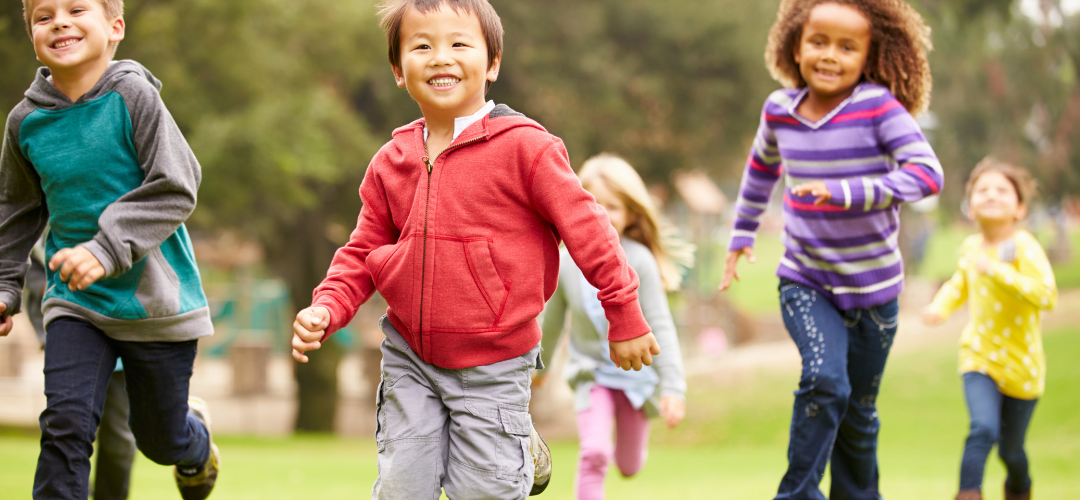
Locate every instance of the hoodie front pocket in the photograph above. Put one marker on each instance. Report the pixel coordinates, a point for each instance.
(392, 271)
(159, 287)
(468, 293)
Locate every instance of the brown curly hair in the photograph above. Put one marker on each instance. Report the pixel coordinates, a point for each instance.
(897, 59)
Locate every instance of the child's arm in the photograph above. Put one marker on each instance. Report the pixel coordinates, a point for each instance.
(759, 178)
(558, 197)
(669, 364)
(553, 323)
(919, 175)
(1032, 277)
(144, 217)
(23, 217)
(949, 298)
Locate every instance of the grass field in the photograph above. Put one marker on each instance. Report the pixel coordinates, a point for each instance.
(732, 445)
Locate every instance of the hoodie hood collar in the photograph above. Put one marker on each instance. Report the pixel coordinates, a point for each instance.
(43, 94)
(499, 120)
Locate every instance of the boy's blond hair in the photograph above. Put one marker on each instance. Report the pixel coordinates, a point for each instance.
(391, 13)
(644, 225)
(113, 9)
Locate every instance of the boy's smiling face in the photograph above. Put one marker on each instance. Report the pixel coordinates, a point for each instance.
(444, 62)
(833, 49)
(68, 34)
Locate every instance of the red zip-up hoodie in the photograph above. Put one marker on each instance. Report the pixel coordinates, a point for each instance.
(465, 249)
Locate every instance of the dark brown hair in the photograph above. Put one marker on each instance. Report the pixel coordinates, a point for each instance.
(899, 41)
(392, 11)
(1019, 177)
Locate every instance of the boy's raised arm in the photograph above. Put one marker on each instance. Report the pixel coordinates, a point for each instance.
(23, 216)
(146, 216)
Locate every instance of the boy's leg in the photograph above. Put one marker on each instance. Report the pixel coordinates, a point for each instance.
(1015, 417)
(595, 426)
(116, 444)
(821, 334)
(984, 403)
(489, 411)
(412, 425)
(631, 435)
(158, 375)
(854, 457)
(78, 361)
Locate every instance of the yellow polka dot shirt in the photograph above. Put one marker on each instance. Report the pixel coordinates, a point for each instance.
(1003, 339)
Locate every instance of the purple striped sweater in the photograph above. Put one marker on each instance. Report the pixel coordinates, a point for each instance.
(873, 156)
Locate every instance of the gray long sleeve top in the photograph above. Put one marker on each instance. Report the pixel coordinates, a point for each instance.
(589, 348)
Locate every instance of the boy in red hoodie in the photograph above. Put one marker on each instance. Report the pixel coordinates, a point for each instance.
(460, 229)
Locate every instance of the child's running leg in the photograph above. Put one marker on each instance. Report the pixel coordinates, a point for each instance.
(631, 436)
(984, 403)
(79, 360)
(821, 334)
(116, 444)
(1015, 417)
(413, 423)
(854, 459)
(595, 427)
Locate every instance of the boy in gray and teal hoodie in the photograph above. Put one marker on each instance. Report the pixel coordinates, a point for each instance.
(93, 153)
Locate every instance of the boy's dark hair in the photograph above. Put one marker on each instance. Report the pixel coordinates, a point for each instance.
(113, 8)
(392, 11)
(899, 40)
(1019, 177)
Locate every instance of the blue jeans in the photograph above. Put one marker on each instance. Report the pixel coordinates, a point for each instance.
(995, 418)
(79, 361)
(835, 417)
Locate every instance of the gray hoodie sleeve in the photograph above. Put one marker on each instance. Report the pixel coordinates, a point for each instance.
(654, 305)
(140, 220)
(23, 215)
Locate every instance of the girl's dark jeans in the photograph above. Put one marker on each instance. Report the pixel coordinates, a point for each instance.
(79, 361)
(835, 417)
(995, 419)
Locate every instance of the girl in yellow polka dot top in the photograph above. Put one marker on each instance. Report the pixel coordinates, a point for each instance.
(1007, 281)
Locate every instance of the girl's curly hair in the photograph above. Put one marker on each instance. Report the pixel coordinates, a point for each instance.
(897, 60)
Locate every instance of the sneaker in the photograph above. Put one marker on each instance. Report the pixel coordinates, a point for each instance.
(541, 461)
(1017, 496)
(199, 486)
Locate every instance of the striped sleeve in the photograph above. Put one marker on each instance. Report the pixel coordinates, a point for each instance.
(919, 174)
(763, 169)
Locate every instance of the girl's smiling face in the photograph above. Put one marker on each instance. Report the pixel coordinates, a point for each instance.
(994, 199)
(618, 213)
(833, 49)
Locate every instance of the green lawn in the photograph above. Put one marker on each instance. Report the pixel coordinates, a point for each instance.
(732, 445)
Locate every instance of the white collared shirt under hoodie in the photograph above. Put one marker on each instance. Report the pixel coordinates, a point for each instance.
(463, 122)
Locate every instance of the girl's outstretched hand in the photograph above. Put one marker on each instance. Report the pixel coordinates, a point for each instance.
(731, 272)
(634, 353)
(673, 409)
(308, 330)
(817, 188)
(932, 318)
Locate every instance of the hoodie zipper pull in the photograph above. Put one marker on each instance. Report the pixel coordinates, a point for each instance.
(428, 163)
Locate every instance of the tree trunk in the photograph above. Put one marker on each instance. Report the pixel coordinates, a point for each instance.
(301, 259)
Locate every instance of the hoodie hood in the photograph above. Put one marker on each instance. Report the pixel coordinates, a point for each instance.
(499, 120)
(43, 94)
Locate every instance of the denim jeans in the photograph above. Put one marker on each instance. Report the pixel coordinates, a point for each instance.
(835, 414)
(115, 444)
(79, 361)
(995, 418)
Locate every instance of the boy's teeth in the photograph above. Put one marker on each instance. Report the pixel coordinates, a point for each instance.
(65, 43)
(443, 82)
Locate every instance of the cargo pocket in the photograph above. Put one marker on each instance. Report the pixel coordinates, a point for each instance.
(512, 457)
(472, 294)
(380, 418)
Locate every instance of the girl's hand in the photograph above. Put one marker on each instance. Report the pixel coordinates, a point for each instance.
(78, 267)
(731, 272)
(932, 318)
(982, 264)
(673, 409)
(6, 322)
(308, 330)
(817, 188)
(537, 380)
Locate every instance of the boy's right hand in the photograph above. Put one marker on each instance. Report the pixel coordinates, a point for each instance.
(932, 318)
(308, 331)
(730, 270)
(634, 353)
(6, 322)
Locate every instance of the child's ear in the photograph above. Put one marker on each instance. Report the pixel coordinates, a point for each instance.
(795, 52)
(1021, 211)
(118, 30)
(399, 76)
(493, 68)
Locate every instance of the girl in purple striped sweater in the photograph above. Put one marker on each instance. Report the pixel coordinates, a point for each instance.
(843, 137)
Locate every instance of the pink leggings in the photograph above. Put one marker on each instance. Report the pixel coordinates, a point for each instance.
(609, 408)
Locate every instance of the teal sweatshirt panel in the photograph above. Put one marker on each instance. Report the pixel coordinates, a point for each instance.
(86, 158)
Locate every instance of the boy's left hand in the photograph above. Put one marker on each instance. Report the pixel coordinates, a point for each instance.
(634, 353)
(817, 188)
(78, 267)
(6, 322)
(673, 409)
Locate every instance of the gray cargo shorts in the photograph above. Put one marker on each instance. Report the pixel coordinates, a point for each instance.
(463, 431)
